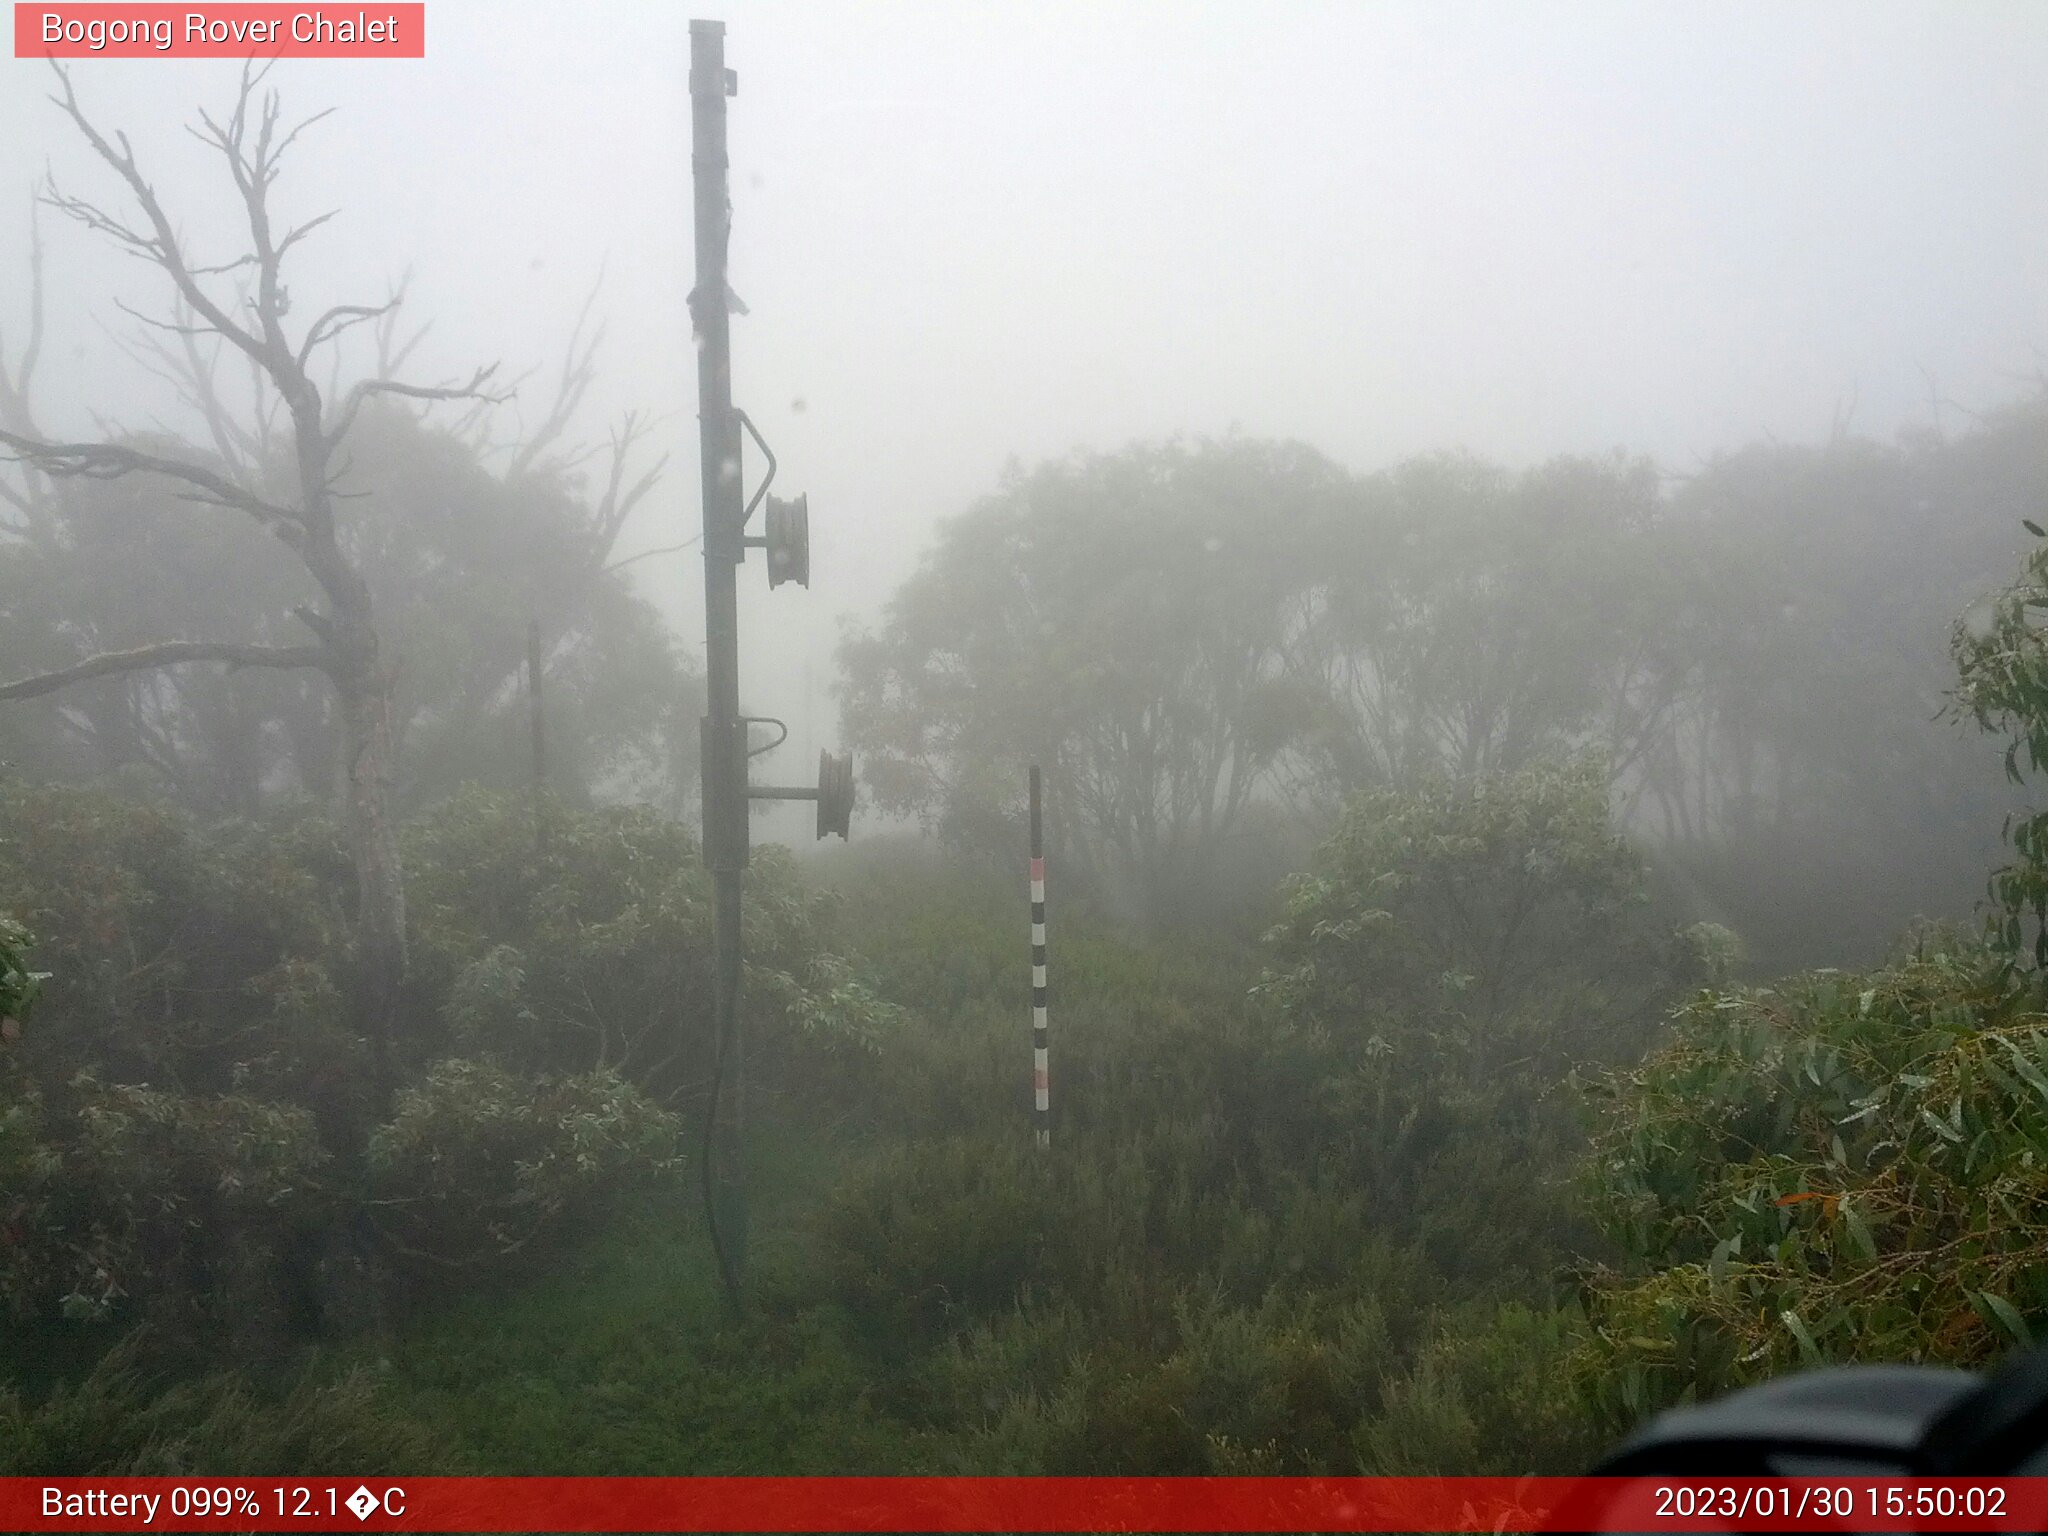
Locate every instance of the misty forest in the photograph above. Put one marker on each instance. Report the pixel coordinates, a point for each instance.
(1534, 938)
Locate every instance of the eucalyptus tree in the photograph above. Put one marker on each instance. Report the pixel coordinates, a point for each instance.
(1457, 618)
(1119, 619)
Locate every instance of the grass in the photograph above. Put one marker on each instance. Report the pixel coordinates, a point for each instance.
(624, 1360)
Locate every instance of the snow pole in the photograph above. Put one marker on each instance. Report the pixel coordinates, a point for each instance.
(1040, 1072)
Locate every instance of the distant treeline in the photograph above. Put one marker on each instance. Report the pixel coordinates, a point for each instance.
(1212, 646)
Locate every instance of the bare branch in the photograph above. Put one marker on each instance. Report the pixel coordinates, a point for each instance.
(253, 173)
(176, 328)
(618, 501)
(99, 221)
(340, 318)
(472, 390)
(222, 268)
(612, 519)
(472, 427)
(315, 621)
(163, 248)
(26, 372)
(578, 372)
(110, 461)
(649, 554)
(265, 399)
(14, 391)
(237, 443)
(277, 155)
(17, 413)
(191, 375)
(391, 354)
(299, 232)
(168, 654)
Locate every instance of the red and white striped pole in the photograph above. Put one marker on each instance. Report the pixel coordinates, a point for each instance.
(1040, 1072)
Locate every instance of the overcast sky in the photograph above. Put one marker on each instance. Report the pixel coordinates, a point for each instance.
(973, 231)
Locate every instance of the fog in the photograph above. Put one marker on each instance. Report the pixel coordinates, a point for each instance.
(968, 233)
(1511, 537)
(971, 237)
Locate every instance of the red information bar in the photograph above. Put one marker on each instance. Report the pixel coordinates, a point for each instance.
(373, 30)
(1022, 1504)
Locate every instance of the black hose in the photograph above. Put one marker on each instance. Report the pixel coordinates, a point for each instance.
(727, 1015)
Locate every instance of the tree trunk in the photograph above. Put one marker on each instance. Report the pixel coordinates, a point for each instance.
(365, 708)
(364, 685)
(253, 325)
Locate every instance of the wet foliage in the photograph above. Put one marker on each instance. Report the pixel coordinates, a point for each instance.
(1460, 1126)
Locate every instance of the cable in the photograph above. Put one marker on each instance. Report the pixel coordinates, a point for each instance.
(727, 1014)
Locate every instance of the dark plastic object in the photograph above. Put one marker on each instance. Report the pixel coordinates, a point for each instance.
(1851, 1421)
(788, 540)
(2000, 1428)
(835, 793)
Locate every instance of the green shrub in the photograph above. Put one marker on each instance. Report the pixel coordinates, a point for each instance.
(210, 958)
(921, 1237)
(476, 1165)
(593, 951)
(132, 1201)
(2001, 654)
(1458, 949)
(19, 985)
(1492, 1394)
(1167, 1377)
(1471, 927)
(1840, 1167)
(122, 1421)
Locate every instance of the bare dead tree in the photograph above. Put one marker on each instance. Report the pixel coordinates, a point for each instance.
(607, 519)
(540, 450)
(579, 371)
(252, 144)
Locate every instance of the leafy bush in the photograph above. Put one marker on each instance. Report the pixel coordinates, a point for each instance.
(1211, 1386)
(1314, 1229)
(204, 957)
(477, 1165)
(1470, 925)
(1840, 1167)
(169, 1120)
(1086, 1313)
(120, 1420)
(593, 951)
(18, 984)
(128, 1201)
(2001, 653)
(1456, 951)
(1492, 1394)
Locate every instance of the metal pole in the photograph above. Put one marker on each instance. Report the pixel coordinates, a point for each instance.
(1041, 1079)
(724, 740)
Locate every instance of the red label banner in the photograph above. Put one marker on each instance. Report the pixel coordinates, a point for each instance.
(102, 31)
(1022, 1504)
